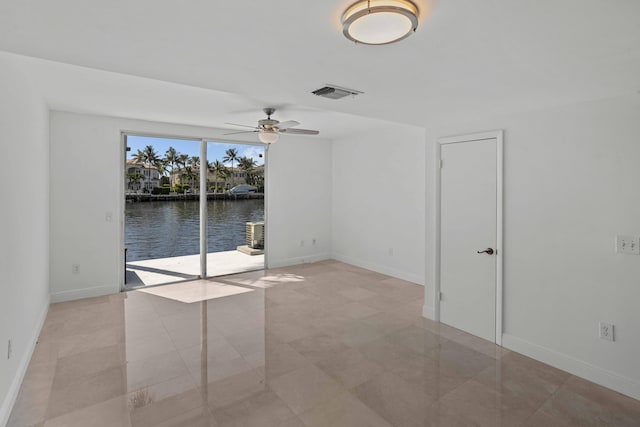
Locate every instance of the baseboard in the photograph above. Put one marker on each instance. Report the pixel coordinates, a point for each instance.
(574, 366)
(389, 271)
(75, 294)
(285, 262)
(14, 388)
(428, 312)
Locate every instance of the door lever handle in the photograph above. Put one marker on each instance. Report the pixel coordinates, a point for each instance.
(487, 251)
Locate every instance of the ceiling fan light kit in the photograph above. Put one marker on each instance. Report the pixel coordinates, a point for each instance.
(268, 136)
(269, 130)
(378, 22)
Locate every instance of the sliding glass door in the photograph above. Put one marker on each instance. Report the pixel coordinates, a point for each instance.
(192, 209)
(235, 209)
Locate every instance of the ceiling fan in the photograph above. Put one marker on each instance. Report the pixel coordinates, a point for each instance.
(269, 130)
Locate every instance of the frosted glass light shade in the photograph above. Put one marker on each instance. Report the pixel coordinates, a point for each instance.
(379, 21)
(268, 136)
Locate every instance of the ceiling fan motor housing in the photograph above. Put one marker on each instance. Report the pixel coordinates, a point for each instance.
(267, 123)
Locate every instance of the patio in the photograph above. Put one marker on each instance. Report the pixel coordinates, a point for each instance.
(166, 270)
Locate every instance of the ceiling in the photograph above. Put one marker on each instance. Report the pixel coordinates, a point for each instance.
(227, 60)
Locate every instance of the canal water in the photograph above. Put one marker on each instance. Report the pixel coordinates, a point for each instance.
(172, 228)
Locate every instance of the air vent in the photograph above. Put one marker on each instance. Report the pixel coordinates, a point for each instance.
(335, 92)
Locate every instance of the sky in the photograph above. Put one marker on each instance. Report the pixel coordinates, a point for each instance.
(215, 150)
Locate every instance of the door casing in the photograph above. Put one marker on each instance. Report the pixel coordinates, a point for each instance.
(202, 177)
(498, 136)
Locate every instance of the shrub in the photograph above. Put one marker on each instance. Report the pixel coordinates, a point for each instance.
(181, 188)
(160, 190)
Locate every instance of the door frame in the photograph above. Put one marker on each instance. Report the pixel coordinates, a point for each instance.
(204, 140)
(480, 136)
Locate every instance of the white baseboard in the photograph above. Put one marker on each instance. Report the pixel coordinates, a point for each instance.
(574, 366)
(285, 262)
(14, 388)
(428, 312)
(389, 271)
(75, 294)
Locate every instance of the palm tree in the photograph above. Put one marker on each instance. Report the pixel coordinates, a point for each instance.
(188, 174)
(194, 166)
(219, 171)
(171, 157)
(138, 157)
(150, 159)
(182, 160)
(161, 165)
(231, 155)
(246, 164)
(134, 180)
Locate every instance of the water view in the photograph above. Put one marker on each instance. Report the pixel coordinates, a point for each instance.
(169, 229)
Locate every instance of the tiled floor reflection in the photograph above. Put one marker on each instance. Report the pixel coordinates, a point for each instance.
(323, 344)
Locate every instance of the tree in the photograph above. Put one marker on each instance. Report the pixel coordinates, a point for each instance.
(182, 160)
(161, 165)
(231, 155)
(188, 174)
(246, 164)
(193, 164)
(134, 180)
(149, 159)
(171, 157)
(138, 157)
(219, 171)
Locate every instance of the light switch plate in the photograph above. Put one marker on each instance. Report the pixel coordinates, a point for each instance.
(627, 245)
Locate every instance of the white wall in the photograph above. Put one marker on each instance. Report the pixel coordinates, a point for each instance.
(571, 184)
(86, 184)
(379, 201)
(299, 201)
(24, 226)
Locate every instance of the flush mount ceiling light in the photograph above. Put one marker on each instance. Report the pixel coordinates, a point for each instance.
(379, 21)
(268, 136)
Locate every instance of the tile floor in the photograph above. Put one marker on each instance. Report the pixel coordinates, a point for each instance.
(323, 344)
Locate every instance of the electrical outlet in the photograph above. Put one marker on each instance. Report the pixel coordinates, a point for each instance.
(606, 331)
(9, 348)
(75, 268)
(627, 245)
(313, 241)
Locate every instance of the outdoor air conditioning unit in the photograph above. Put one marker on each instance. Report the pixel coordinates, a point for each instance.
(255, 235)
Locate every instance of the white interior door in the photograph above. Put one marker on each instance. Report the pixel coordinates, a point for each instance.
(468, 225)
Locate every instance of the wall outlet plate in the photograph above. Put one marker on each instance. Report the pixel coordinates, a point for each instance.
(627, 245)
(605, 331)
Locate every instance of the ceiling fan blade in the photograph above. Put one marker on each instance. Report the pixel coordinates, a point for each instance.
(287, 124)
(244, 126)
(242, 131)
(300, 131)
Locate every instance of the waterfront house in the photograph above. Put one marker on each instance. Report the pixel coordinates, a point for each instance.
(141, 177)
(236, 176)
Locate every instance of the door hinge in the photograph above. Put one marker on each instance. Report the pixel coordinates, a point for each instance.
(440, 295)
(441, 163)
